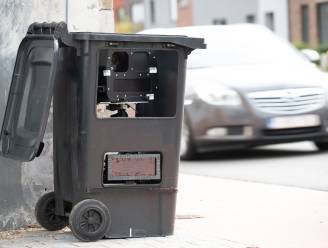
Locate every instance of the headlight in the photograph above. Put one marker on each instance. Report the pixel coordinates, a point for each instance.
(218, 95)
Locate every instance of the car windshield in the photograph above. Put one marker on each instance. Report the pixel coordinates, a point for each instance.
(240, 44)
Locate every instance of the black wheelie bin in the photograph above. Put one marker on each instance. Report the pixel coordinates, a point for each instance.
(117, 114)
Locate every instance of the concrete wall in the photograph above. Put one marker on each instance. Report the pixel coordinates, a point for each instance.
(205, 11)
(22, 184)
(280, 10)
(90, 16)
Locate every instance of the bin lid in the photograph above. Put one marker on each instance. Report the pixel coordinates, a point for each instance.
(29, 96)
(180, 40)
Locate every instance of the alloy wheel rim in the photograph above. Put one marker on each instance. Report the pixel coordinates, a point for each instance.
(185, 134)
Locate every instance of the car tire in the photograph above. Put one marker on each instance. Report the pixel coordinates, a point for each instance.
(90, 220)
(322, 146)
(187, 147)
(45, 213)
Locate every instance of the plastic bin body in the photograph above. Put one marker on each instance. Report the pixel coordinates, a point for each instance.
(138, 208)
(81, 140)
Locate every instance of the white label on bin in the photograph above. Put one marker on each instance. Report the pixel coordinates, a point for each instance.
(150, 97)
(152, 69)
(106, 73)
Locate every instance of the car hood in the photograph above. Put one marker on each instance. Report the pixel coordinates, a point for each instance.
(252, 78)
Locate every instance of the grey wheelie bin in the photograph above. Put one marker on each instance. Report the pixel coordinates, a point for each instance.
(117, 110)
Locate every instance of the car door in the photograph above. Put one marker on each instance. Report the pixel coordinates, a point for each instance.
(29, 98)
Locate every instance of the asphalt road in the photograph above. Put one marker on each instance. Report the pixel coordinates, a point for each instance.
(297, 164)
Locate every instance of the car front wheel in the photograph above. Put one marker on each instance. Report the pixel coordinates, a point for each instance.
(187, 148)
(322, 146)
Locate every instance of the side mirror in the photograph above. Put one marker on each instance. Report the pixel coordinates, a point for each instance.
(311, 55)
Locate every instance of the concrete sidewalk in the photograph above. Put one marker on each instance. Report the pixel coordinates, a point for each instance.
(220, 213)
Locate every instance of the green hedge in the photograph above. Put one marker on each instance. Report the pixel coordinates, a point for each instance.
(323, 48)
(301, 46)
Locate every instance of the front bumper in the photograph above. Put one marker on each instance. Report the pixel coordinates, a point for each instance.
(229, 127)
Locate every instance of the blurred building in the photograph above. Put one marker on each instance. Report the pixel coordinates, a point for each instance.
(301, 21)
(135, 15)
(273, 14)
(309, 22)
(124, 21)
(206, 12)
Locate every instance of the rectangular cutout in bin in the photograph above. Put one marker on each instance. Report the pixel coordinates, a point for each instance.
(126, 167)
(137, 83)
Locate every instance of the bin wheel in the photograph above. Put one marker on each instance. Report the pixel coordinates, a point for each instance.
(89, 220)
(45, 213)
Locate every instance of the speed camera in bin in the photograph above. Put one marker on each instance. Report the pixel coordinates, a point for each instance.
(117, 113)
